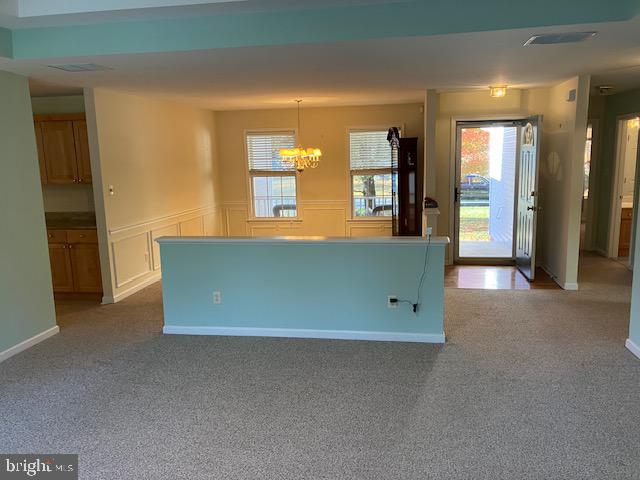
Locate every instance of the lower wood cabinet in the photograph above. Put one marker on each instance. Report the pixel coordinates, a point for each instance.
(75, 261)
(85, 265)
(61, 273)
(624, 241)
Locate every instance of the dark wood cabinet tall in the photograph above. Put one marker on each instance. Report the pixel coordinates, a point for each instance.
(407, 197)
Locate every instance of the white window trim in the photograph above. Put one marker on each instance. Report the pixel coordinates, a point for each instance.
(267, 173)
(352, 216)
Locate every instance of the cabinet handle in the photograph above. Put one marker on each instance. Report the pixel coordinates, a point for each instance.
(81, 235)
(50, 235)
(70, 246)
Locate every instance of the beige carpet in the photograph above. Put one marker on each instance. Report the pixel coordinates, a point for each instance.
(530, 385)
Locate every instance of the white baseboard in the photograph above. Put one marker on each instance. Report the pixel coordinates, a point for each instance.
(570, 286)
(633, 348)
(131, 290)
(28, 343)
(306, 333)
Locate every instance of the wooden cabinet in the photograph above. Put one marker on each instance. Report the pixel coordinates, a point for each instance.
(75, 261)
(63, 148)
(82, 151)
(624, 242)
(61, 274)
(59, 152)
(85, 264)
(43, 169)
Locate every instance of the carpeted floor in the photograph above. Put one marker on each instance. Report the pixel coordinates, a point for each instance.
(530, 385)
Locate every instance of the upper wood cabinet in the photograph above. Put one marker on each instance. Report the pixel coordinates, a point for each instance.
(43, 169)
(82, 151)
(59, 152)
(63, 148)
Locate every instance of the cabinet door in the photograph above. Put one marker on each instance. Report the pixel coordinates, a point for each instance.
(59, 151)
(85, 263)
(82, 151)
(60, 267)
(43, 168)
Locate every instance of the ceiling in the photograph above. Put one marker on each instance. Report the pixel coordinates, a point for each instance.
(374, 71)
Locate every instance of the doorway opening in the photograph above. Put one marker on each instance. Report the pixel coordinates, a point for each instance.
(587, 212)
(622, 205)
(486, 172)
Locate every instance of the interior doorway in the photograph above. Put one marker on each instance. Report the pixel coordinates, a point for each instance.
(622, 205)
(485, 191)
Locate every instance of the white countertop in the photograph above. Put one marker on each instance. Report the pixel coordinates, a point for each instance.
(309, 240)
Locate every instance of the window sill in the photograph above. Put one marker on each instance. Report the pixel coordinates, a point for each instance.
(276, 220)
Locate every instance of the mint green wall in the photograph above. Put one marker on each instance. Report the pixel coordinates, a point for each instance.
(6, 43)
(302, 286)
(634, 321)
(615, 105)
(59, 104)
(310, 25)
(26, 296)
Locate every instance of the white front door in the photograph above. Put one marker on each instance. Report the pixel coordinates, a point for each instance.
(527, 203)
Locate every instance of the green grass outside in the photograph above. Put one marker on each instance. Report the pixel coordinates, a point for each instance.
(474, 223)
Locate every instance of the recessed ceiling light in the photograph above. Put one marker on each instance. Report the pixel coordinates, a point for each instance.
(498, 91)
(80, 67)
(555, 38)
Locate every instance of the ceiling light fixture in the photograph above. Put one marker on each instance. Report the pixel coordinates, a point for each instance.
(498, 91)
(300, 157)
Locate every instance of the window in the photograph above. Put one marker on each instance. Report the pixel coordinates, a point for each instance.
(273, 183)
(370, 165)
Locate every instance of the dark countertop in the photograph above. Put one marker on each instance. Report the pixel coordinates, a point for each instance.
(70, 220)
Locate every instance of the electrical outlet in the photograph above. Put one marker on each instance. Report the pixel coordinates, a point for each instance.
(391, 304)
(217, 298)
(429, 231)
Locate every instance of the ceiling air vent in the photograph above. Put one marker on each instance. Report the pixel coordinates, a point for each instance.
(555, 38)
(80, 67)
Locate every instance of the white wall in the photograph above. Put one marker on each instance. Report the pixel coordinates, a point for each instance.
(26, 295)
(561, 176)
(159, 160)
(324, 194)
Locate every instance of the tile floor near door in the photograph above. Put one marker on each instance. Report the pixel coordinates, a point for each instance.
(530, 385)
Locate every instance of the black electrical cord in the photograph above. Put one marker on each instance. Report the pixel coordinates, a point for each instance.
(421, 281)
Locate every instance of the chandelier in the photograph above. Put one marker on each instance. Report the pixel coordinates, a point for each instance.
(299, 157)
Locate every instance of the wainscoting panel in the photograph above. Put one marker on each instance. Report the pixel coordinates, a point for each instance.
(192, 228)
(365, 228)
(236, 217)
(327, 220)
(135, 261)
(170, 231)
(318, 217)
(213, 223)
(274, 230)
(131, 258)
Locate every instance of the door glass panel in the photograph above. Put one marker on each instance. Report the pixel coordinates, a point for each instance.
(487, 191)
